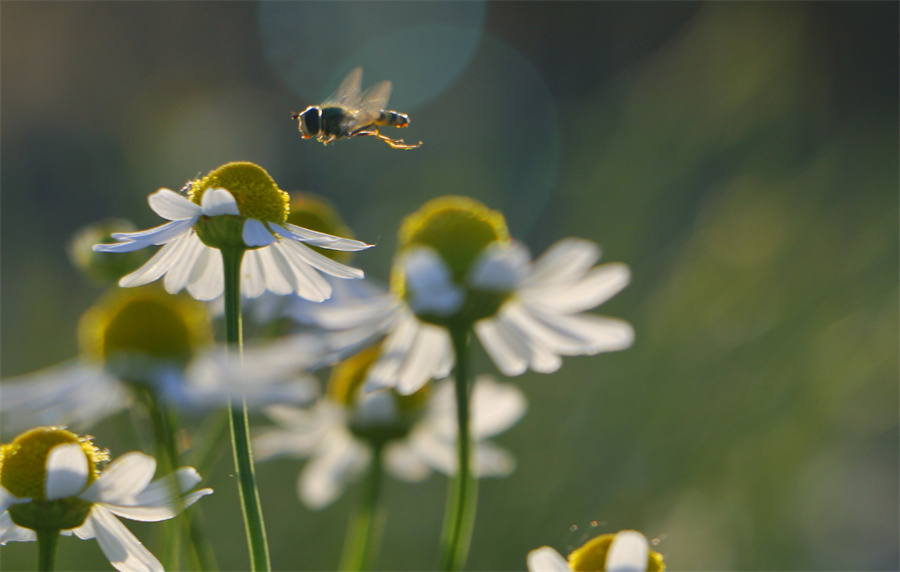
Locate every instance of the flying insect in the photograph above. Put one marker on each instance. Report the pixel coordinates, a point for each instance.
(351, 112)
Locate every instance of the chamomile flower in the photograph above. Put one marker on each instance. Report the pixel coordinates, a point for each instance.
(417, 432)
(237, 206)
(50, 479)
(145, 339)
(625, 551)
(458, 268)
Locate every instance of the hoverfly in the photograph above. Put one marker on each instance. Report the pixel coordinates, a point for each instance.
(351, 112)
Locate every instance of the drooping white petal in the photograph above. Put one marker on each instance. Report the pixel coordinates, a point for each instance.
(324, 477)
(495, 407)
(158, 501)
(122, 480)
(85, 531)
(598, 286)
(253, 280)
(628, 552)
(177, 277)
(275, 268)
(159, 263)
(320, 238)
(401, 461)
(307, 282)
(541, 357)
(217, 202)
(12, 532)
(565, 261)
(354, 313)
(394, 352)
(545, 559)
(599, 333)
(500, 267)
(327, 265)
(491, 460)
(424, 360)
(207, 281)
(436, 452)
(132, 241)
(173, 206)
(430, 282)
(67, 471)
(74, 393)
(255, 233)
(123, 550)
(508, 353)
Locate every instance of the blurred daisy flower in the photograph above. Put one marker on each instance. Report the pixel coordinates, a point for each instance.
(51, 481)
(625, 551)
(145, 340)
(457, 268)
(416, 433)
(238, 206)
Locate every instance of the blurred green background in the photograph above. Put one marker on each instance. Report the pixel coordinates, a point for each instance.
(741, 158)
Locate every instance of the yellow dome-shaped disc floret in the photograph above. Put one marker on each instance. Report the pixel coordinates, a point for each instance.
(591, 557)
(315, 213)
(458, 228)
(344, 387)
(255, 192)
(23, 472)
(147, 323)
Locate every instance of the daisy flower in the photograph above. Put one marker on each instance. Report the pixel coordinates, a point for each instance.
(458, 268)
(51, 482)
(237, 206)
(625, 551)
(140, 339)
(417, 432)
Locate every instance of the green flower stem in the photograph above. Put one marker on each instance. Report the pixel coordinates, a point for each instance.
(458, 525)
(47, 539)
(363, 534)
(240, 429)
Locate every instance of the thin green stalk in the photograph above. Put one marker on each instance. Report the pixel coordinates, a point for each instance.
(363, 534)
(462, 500)
(240, 429)
(47, 539)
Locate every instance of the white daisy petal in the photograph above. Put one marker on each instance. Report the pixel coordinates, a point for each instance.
(253, 280)
(152, 236)
(255, 233)
(327, 265)
(600, 284)
(122, 480)
(158, 265)
(324, 477)
(178, 275)
(491, 460)
(545, 559)
(439, 454)
(506, 350)
(320, 238)
(85, 531)
(309, 284)
(207, 281)
(148, 513)
(599, 333)
(12, 532)
(7, 499)
(500, 267)
(217, 202)
(565, 261)
(495, 407)
(423, 359)
(430, 282)
(353, 313)
(400, 460)
(275, 269)
(394, 352)
(67, 471)
(172, 206)
(628, 552)
(123, 550)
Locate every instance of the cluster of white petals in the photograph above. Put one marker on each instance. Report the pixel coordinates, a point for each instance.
(280, 260)
(123, 489)
(337, 458)
(544, 318)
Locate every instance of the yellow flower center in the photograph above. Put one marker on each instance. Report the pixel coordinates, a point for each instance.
(458, 229)
(591, 557)
(315, 213)
(344, 387)
(23, 472)
(255, 192)
(144, 323)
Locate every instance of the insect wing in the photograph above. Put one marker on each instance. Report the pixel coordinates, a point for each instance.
(347, 94)
(373, 101)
